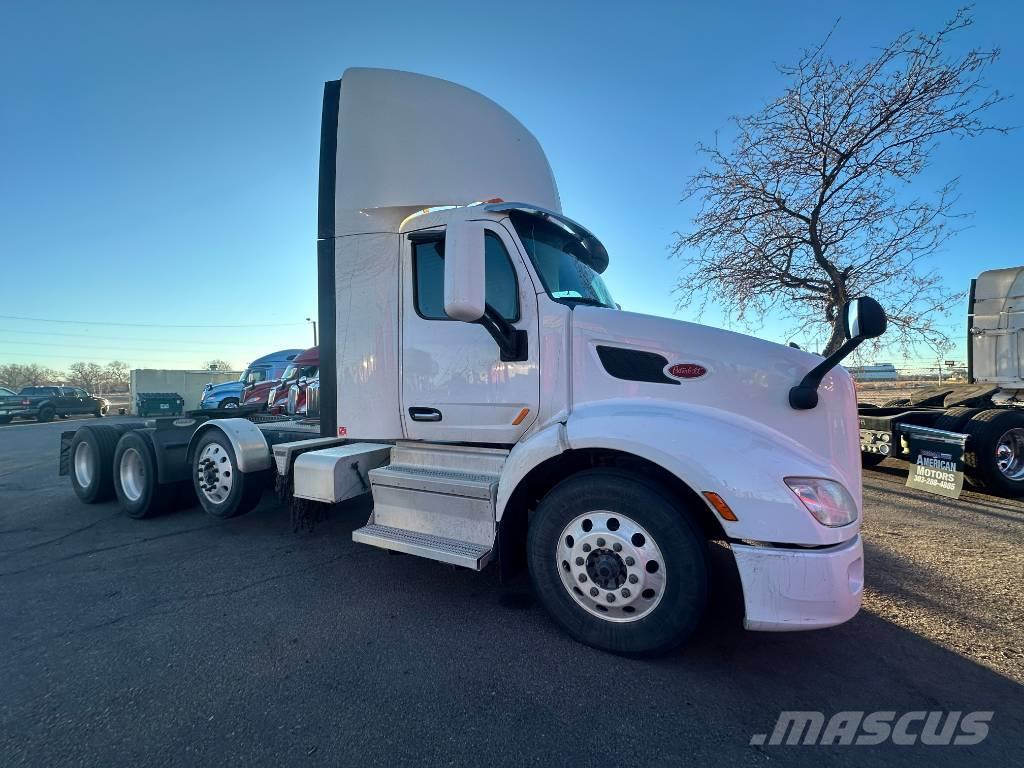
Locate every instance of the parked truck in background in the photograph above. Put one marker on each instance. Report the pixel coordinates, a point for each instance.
(289, 394)
(230, 393)
(46, 402)
(978, 423)
(480, 382)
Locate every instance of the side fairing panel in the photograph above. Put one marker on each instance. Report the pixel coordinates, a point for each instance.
(366, 273)
(408, 141)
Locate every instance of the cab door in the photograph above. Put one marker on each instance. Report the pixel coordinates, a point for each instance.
(455, 387)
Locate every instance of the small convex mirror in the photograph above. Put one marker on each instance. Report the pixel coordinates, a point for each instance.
(863, 318)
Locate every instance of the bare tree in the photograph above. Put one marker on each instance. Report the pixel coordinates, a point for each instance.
(16, 376)
(218, 365)
(117, 374)
(89, 376)
(811, 206)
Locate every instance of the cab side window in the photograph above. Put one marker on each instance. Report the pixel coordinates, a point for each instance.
(428, 286)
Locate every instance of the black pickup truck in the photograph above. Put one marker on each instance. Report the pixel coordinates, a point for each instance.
(43, 403)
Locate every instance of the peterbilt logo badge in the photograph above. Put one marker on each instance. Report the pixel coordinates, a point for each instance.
(687, 370)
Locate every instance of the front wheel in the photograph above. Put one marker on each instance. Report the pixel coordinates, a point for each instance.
(230, 402)
(46, 413)
(618, 563)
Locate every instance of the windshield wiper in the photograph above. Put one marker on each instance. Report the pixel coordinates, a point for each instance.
(583, 300)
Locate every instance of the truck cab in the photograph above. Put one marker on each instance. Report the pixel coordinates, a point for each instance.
(478, 380)
(231, 394)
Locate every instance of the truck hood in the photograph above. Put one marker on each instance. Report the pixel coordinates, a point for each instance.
(225, 387)
(629, 355)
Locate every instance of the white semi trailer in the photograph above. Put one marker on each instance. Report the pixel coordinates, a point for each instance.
(480, 382)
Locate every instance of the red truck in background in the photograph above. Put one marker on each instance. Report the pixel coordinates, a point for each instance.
(273, 394)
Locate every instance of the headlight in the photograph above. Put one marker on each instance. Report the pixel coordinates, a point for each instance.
(829, 502)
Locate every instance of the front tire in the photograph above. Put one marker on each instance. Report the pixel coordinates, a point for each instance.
(223, 490)
(618, 563)
(46, 413)
(229, 402)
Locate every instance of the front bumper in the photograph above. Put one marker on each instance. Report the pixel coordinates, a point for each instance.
(789, 589)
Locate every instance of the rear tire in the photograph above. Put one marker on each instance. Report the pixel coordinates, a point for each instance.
(222, 489)
(618, 563)
(896, 403)
(955, 419)
(46, 413)
(135, 477)
(994, 456)
(92, 462)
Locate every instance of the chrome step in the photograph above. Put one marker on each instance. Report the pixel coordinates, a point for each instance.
(453, 551)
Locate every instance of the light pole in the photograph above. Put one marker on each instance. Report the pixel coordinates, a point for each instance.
(311, 320)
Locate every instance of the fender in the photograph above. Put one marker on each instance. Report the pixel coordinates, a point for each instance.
(708, 449)
(249, 444)
(543, 444)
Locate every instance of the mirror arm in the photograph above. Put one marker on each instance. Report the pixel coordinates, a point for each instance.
(804, 395)
(511, 341)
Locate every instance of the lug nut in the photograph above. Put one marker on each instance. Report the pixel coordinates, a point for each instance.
(586, 547)
(630, 561)
(579, 561)
(594, 591)
(611, 598)
(600, 542)
(633, 578)
(583, 577)
(617, 547)
(626, 593)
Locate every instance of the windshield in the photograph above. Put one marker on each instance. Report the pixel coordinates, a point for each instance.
(562, 260)
(254, 376)
(289, 372)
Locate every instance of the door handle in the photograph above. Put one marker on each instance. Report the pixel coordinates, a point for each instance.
(424, 414)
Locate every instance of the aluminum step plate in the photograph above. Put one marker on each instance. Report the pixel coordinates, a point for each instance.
(451, 551)
(477, 485)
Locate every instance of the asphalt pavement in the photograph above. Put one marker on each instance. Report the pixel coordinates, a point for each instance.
(188, 640)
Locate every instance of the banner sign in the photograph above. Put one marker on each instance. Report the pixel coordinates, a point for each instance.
(936, 460)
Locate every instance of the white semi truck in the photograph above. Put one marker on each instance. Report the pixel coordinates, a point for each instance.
(478, 379)
(974, 428)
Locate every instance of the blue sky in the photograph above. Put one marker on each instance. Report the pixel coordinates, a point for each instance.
(158, 163)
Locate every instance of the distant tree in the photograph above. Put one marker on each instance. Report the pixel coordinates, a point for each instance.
(811, 206)
(218, 365)
(16, 375)
(89, 376)
(117, 374)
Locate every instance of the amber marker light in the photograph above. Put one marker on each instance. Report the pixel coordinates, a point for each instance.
(720, 506)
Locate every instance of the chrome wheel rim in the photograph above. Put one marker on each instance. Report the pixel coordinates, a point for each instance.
(215, 473)
(85, 464)
(133, 474)
(611, 566)
(1010, 454)
(231, 405)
